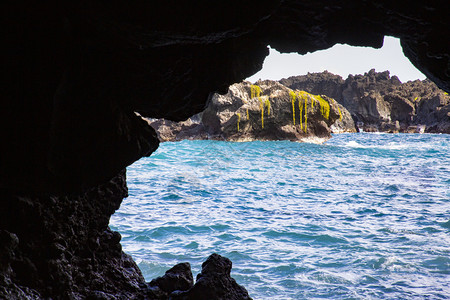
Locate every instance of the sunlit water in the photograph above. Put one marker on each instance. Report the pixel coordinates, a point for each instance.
(364, 216)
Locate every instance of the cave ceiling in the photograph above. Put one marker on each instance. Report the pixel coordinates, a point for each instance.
(77, 72)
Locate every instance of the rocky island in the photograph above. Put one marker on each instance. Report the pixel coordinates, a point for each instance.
(379, 102)
(266, 110)
(311, 107)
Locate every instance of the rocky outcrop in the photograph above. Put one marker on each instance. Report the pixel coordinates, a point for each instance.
(175, 280)
(269, 111)
(379, 102)
(324, 83)
(373, 101)
(171, 131)
(345, 123)
(76, 72)
(266, 110)
(214, 282)
(65, 251)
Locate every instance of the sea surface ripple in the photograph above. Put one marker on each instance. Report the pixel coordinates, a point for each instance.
(364, 216)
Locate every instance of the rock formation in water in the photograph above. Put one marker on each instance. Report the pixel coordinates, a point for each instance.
(375, 102)
(266, 110)
(379, 102)
(75, 75)
(214, 282)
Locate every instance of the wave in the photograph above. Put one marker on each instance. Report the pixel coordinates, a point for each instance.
(362, 216)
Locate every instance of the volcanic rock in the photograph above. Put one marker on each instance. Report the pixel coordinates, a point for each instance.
(64, 250)
(178, 278)
(214, 282)
(266, 110)
(379, 102)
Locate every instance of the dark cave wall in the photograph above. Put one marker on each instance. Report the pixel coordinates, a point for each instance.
(75, 73)
(62, 247)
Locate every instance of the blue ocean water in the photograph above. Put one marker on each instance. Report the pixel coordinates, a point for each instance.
(363, 216)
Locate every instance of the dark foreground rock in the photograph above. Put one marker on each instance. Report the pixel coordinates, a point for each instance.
(53, 246)
(179, 278)
(214, 282)
(380, 102)
(266, 110)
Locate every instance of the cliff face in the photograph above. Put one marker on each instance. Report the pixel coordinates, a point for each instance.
(269, 111)
(76, 72)
(266, 110)
(379, 102)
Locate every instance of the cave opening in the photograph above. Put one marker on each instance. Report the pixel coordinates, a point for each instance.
(290, 216)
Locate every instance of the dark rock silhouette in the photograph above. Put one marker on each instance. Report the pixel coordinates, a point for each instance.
(76, 76)
(214, 282)
(65, 250)
(177, 279)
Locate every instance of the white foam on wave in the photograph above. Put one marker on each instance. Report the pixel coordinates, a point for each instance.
(354, 144)
(389, 146)
(395, 146)
(314, 140)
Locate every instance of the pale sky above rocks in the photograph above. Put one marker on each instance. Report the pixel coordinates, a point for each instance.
(341, 60)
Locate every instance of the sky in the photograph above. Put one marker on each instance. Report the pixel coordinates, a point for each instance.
(341, 59)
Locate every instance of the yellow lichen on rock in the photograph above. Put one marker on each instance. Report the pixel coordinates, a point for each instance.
(255, 91)
(306, 114)
(314, 99)
(324, 107)
(267, 104)
(303, 100)
(239, 119)
(292, 95)
(303, 95)
(300, 109)
(261, 107)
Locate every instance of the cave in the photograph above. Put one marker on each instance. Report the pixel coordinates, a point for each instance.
(77, 78)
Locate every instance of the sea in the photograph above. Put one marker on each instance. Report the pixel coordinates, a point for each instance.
(362, 216)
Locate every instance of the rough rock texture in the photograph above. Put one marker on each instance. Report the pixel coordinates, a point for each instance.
(177, 279)
(324, 83)
(214, 282)
(170, 131)
(65, 251)
(76, 72)
(264, 111)
(345, 123)
(379, 102)
(268, 115)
